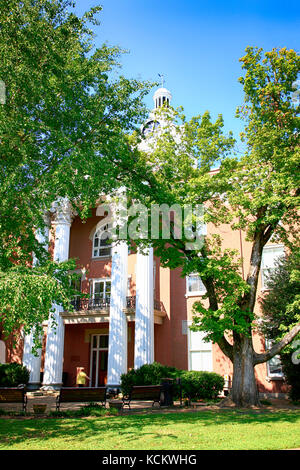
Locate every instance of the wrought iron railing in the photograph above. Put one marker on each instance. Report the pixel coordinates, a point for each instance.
(158, 305)
(104, 303)
(131, 303)
(91, 303)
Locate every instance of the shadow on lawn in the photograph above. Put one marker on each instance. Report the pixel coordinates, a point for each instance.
(129, 427)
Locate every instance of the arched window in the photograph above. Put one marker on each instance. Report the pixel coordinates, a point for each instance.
(150, 127)
(102, 242)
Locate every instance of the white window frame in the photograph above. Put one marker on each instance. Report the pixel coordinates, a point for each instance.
(203, 347)
(98, 232)
(198, 293)
(280, 249)
(93, 282)
(271, 375)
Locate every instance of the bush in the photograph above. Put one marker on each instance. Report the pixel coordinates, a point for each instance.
(195, 385)
(13, 374)
(292, 375)
(148, 374)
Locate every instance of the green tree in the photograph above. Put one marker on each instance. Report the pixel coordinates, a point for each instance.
(281, 308)
(63, 125)
(257, 193)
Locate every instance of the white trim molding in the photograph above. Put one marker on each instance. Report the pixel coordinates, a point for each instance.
(200, 353)
(198, 282)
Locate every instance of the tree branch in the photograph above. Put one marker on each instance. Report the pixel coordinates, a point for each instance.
(266, 356)
(249, 298)
(226, 348)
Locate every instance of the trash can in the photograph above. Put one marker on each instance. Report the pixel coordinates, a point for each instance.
(64, 379)
(166, 395)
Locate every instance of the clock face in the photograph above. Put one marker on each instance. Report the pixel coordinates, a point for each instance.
(151, 126)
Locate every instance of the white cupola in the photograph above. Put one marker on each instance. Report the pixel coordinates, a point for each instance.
(162, 96)
(156, 120)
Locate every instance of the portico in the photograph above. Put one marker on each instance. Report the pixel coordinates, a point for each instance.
(106, 326)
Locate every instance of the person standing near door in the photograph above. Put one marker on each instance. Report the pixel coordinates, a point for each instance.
(81, 377)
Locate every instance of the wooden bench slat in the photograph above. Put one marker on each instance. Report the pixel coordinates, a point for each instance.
(143, 392)
(81, 395)
(74, 394)
(13, 395)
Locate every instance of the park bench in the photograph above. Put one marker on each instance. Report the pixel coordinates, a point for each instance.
(13, 395)
(141, 393)
(81, 395)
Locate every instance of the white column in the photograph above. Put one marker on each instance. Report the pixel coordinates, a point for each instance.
(117, 352)
(53, 367)
(31, 361)
(144, 315)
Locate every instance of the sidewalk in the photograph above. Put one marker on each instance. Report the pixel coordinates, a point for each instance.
(49, 398)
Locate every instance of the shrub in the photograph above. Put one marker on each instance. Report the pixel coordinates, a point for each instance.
(195, 385)
(201, 385)
(148, 374)
(292, 375)
(13, 374)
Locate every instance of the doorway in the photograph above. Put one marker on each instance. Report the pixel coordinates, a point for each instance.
(98, 360)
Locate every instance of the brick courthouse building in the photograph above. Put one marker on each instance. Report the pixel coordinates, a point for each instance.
(137, 311)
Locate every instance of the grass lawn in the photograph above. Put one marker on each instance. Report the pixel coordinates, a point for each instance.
(225, 429)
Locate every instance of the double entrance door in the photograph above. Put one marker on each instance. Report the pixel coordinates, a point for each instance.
(98, 360)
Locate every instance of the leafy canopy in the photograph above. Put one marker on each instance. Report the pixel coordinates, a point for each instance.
(63, 130)
(194, 162)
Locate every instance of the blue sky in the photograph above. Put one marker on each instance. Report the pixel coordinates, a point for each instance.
(195, 44)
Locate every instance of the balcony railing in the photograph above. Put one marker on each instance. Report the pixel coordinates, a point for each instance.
(131, 303)
(104, 303)
(91, 303)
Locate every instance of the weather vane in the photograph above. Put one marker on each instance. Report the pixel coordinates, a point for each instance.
(161, 76)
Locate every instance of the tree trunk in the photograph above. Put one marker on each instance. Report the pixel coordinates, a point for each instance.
(244, 389)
